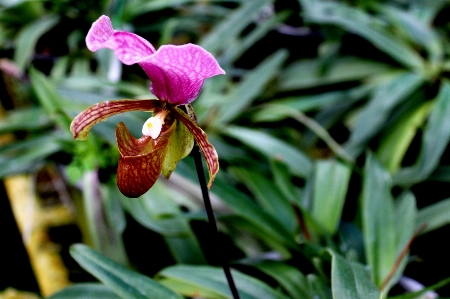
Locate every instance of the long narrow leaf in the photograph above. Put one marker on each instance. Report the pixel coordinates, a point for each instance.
(319, 288)
(26, 119)
(245, 207)
(435, 139)
(351, 280)
(289, 278)
(251, 86)
(49, 98)
(398, 138)
(268, 197)
(434, 216)
(358, 22)
(23, 156)
(232, 26)
(378, 220)
(213, 279)
(272, 148)
(417, 30)
(375, 114)
(331, 179)
(156, 210)
(28, 37)
(124, 282)
(85, 291)
(308, 73)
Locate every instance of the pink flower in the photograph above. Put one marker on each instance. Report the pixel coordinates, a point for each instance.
(177, 74)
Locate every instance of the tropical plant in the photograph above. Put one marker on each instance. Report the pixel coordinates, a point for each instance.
(327, 151)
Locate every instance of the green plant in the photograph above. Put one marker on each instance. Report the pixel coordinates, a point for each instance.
(322, 157)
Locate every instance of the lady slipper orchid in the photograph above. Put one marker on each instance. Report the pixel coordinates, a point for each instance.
(177, 74)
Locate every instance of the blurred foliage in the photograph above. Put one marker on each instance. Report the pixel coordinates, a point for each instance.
(331, 125)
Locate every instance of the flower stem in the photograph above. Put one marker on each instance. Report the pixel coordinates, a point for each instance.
(212, 222)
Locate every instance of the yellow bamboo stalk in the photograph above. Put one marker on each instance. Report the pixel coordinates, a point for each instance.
(33, 222)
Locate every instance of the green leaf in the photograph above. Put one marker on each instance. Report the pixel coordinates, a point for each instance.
(250, 87)
(272, 148)
(268, 196)
(137, 8)
(386, 97)
(59, 68)
(85, 291)
(231, 27)
(307, 103)
(157, 211)
(330, 115)
(398, 138)
(378, 220)
(28, 37)
(238, 47)
(282, 179)
(103, 232)
(405, 219)
(289, 278)
(435, 139)
(24, 119)
(245, 207)
(188, 289)
(405, 225)
(22, 156)
(361, 23)
(124, 282)
(351, 241)
(49, 99)
(319, 288)
(351, 280)
(213, 280)
(313, 126)
(434, 216)
(309, 73)
(417, 30)
(331, 179)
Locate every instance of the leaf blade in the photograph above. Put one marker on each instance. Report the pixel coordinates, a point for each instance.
(124, 282)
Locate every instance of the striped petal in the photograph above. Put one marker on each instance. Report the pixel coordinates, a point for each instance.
(211, 157)
(96, 113)
(140, 160)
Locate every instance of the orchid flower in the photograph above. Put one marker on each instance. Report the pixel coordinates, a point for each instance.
(177, 74)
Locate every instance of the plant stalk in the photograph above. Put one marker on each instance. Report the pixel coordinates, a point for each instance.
(212, 222)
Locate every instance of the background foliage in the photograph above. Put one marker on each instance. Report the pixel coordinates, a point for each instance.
(331, 127)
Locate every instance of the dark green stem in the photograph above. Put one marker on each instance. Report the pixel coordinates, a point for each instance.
(212, 222)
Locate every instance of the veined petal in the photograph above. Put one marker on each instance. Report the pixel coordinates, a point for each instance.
(96, 113)
(211, 157)
(177, 72)
(128, 145)
(128, 47)
(140, 160)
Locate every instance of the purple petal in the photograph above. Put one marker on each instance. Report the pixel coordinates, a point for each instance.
(177, 72)
(128, 47)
